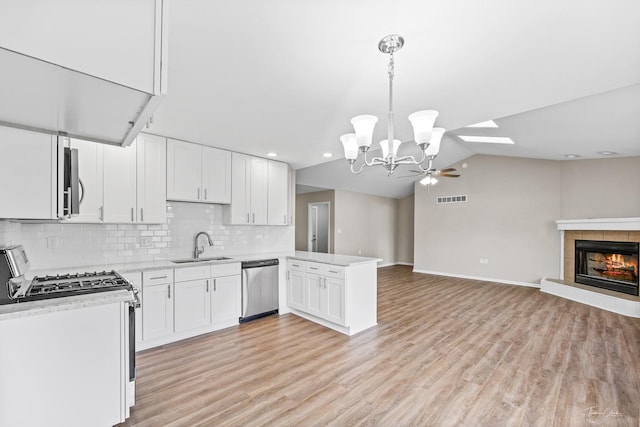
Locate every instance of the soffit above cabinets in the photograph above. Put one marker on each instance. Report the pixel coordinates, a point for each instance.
(38, 95)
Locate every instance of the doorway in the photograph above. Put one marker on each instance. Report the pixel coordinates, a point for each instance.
(319, 226)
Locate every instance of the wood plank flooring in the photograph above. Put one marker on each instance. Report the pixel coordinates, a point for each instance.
(445, 352)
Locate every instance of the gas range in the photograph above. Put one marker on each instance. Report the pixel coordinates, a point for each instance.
(14, 288)
(74, 284)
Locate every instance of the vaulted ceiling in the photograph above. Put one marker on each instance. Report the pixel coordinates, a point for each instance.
(559, 77)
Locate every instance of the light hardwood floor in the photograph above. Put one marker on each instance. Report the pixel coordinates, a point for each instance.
(445, 352)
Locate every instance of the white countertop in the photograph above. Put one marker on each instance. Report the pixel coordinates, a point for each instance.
(31, 308)
(343, 260)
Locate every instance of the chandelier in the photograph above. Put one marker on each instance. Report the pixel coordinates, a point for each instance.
(426, 136)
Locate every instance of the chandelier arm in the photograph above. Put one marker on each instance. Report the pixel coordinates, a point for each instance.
(406, 160)
(357, 171)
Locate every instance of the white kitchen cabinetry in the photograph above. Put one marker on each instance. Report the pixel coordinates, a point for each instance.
(151, 182)
(196, 173)
(77, 371)
(225, 294)
(249, 190)
(341, 297)
(28, 161)
(51, 69)
(157, 306)
(119, 184)
(192, 301)
(278, 193)
(296, 294)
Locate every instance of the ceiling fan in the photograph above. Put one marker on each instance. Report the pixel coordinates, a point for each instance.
(431, 173)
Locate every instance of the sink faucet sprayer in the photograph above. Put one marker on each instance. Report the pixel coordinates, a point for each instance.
(198, 250)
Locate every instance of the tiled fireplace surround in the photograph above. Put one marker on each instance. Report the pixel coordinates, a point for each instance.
(605, 229)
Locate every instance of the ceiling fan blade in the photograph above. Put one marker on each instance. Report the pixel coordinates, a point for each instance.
(448, 170)
(407, 176)
(415, 171)
(446, 175)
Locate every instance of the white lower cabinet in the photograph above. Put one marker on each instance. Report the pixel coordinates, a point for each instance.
(339, 297)
(185, 302)
(157, 304)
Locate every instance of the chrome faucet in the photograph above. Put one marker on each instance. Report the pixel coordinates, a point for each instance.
(198, 250)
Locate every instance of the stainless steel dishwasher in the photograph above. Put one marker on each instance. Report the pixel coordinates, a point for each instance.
(259, 289)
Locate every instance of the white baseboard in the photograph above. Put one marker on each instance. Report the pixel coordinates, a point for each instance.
(483, 279)
(389, 264)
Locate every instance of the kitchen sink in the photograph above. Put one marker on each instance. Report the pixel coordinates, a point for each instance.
(215, 258)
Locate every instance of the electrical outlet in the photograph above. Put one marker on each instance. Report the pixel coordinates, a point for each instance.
(145, 241)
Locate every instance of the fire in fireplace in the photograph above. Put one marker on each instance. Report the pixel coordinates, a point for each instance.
(608, 265)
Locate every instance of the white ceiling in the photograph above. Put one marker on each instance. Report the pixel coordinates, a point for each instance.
(558, 77)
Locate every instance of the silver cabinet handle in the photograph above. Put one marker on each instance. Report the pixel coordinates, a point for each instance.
(247, 217)
(205, 194)
(101, 213)
(198, 193)
(333, 271)
(157, 277)
(313, 268)
(254, 217)
(141, 214)
(214, 285)
(207, 285)
(168, 291)
(285, 219)
(288, 275)
(131, 214)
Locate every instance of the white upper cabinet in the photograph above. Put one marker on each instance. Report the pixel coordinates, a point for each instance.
(248, 190)
(28, 164)
(278, 193)
(94, 69)
(196, 173)
(119, 184)
(216, 175)
(151, 180)
(90, 173)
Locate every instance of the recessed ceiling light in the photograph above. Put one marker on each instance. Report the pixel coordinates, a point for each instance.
(327, 155)
(487, 124)
(272, 154)
(571, 156)
(607, 153)
(488, 139)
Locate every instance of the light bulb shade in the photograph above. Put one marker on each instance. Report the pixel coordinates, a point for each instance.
(422, 122)
(350, 146)
(434, 145)
(428, 180)
(363, 125)
(384, 144)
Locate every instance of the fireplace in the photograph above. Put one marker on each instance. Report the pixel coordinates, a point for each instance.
(607, 265)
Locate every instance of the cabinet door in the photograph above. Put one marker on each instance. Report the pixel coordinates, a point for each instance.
(259, 188)
(314, 293)
(225, 299)
(334, 297)
(151, 180)
(119, 199)
(192, 304)
(90, 173)
(240, 195)
(157, 311)
(28, 162)
(295, 289)
(184, 171)
(216, 175)
(278, 185)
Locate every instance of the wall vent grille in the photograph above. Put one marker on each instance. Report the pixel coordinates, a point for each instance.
(452, 199)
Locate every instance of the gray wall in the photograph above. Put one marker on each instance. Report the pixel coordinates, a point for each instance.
(366, 225)
(510, 215)
(404, 239)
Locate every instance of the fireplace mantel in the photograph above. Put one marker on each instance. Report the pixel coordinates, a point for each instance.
(599, 224)
(592, 229)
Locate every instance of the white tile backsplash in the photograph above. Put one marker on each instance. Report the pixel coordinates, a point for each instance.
(54, 245)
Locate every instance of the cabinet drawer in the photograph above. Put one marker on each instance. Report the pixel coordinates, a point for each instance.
(315, 267)
(334, 271)
(294, 264)
(220, 270)
(192, 273)
(157, 277)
